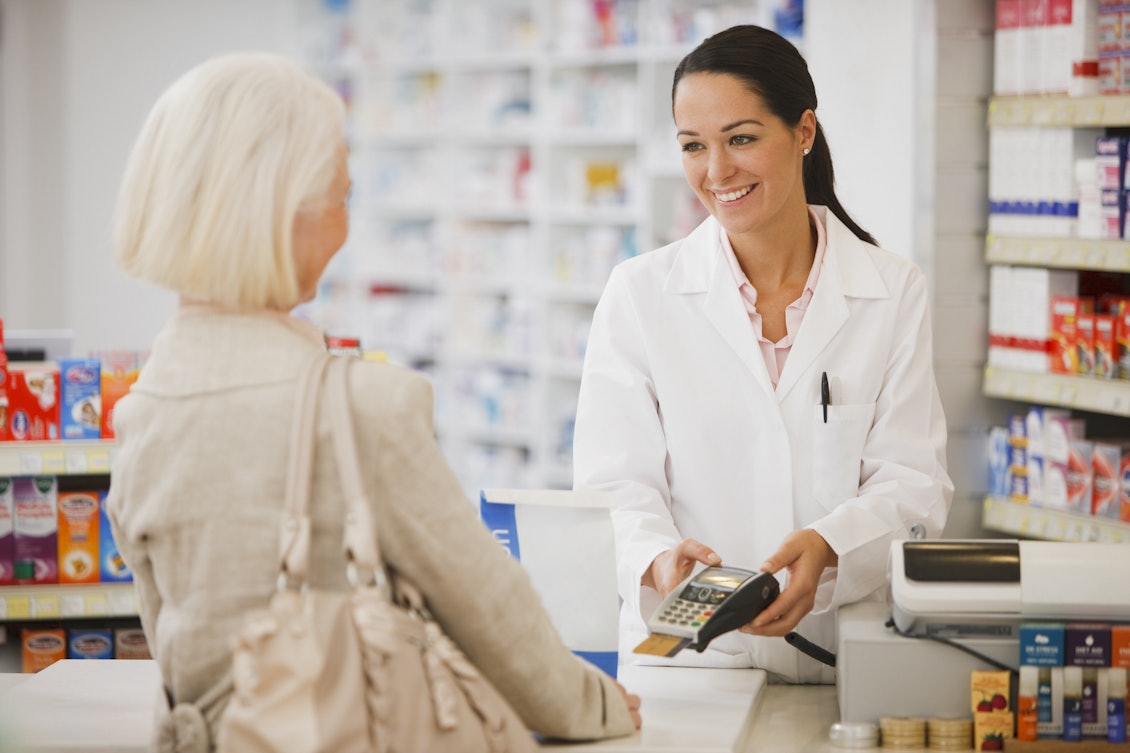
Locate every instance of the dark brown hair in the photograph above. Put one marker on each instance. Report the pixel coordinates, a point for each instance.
(773, 69)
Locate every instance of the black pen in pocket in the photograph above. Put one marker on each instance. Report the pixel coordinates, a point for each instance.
(825, 394)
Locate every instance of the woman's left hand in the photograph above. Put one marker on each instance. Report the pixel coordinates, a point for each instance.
(804, 554)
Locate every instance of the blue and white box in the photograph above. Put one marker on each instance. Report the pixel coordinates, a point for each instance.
(80, 398)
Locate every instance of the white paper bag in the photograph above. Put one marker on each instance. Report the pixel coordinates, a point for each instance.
(564, 541)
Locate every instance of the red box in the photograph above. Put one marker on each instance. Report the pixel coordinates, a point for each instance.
(1085, 343)
(1122, 345)
(1105, 345)
(33, 402)
(1064, 320)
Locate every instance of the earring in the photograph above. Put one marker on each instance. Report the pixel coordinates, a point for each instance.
(806, 150)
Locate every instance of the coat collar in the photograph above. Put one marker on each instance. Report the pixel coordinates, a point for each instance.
(849, 272)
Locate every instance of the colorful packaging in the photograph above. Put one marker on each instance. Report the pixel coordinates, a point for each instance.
(998, 462)
(1122, 344)
(42, 648)
(1105, 346)
(1042, 646)
(80, 405)
(130, 643)
(1017, 458)
(35, 543)
(1106, 462)
(1087, 647)
(1124, 487)
(112, 567)
(79, 537)
(1064, 320)
(119, 372)
(7, 532)
(90, 643)
(1080, 476)
(1085, 343)
(33, 402)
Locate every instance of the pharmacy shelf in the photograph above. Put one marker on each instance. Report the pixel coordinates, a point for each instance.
(1019, 519)
(56, 458)
(1111, 396)
(1059, 111)
(1066, 253)
(63, 601)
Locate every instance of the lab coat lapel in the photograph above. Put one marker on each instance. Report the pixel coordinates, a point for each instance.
(848, 272)
(701, 269)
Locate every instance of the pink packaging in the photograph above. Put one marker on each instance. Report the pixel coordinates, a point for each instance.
(1080, 476)
(35, 544)
(7, 518)
(1105, 464)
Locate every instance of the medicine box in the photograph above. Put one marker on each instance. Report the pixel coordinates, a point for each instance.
(90, 643)
(7, 532)
(33, 402)
(79, 537)
(42, 648)
(119, 372)
(1042, 645)
(112, 567)
(35, 543)
(80, 405)
(130, 643)
(1105, 464)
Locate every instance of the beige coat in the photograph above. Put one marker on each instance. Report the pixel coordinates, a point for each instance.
(196, 493)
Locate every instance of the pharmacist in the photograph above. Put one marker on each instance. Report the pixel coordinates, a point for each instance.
(760, 394)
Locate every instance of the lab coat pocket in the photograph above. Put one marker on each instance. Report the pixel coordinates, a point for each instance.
(837, 451)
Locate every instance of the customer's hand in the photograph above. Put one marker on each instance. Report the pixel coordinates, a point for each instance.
(673, 566)
(633, 702)
(804, 554)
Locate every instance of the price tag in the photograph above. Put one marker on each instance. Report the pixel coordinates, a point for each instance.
(99, 461)
(76, 462)
(95, 604)
(19, 607)
(73, 605)
(45, 606)
(54, 462)
(31, 462)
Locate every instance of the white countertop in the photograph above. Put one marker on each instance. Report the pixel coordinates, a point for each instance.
(107, 706)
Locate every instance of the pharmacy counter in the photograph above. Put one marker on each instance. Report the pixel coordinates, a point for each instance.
(95, 706)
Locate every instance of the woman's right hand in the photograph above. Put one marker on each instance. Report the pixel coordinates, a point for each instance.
(673, 566)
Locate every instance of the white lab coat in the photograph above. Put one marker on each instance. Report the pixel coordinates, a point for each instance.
(678, 417)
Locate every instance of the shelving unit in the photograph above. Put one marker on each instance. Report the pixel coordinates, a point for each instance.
(48, 602)
(1104, 396)
(504, 160)
(55, 458)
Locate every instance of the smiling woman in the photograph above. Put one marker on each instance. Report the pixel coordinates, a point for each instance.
(761, 393)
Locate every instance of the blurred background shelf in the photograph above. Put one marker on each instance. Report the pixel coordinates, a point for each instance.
(1025, 521)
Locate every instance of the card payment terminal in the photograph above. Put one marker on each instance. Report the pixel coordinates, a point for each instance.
(709, 603)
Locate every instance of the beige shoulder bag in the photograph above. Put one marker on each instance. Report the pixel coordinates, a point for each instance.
(360, 670)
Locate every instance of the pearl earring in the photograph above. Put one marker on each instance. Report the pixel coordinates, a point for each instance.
(806, 151)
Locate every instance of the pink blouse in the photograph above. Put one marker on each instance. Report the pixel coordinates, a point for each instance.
(776, 353)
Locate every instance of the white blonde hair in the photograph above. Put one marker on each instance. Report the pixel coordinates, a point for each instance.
(227, 157)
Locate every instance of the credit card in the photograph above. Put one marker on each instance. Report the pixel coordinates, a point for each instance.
(658, 644)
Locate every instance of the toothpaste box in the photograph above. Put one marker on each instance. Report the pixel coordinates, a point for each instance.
(7, 533)
(79, 537)
(90, 643)
(80, 405)
(1105, 346)
(119, 372)
(42, 648)
(33, 402)
(35, 542)
(112, 567)
(130, 643)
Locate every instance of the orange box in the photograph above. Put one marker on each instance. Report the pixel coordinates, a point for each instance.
(78, 537)
(991, 729)
(42, 648)
(119, 372)
(988, 690)
(1064, 320)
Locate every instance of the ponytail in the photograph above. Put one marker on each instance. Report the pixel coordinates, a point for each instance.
(819, 184)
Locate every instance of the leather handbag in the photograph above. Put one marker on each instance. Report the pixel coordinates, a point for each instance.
(362, 670)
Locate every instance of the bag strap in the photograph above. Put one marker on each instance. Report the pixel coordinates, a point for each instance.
(361, 549)
(294, 539)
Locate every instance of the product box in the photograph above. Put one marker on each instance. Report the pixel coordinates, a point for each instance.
(33, 401)
(1105, 346)
(1110, 162)
(1122, 344)
(1106, 462)
(79, 537)
(1110, 213)
(130, 643)
(42, 648)
(1064, 323)
(1124, 486)
(989, 690)
(80, 405)
(991, 730)
(1087, 647)
(1080, 476)
(1085, 343)
(998, 462)
(112, 567)
(90, 643)
(35, 542)
(7, 532)
(1042, 646)
(119, 372)
(5, 431)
